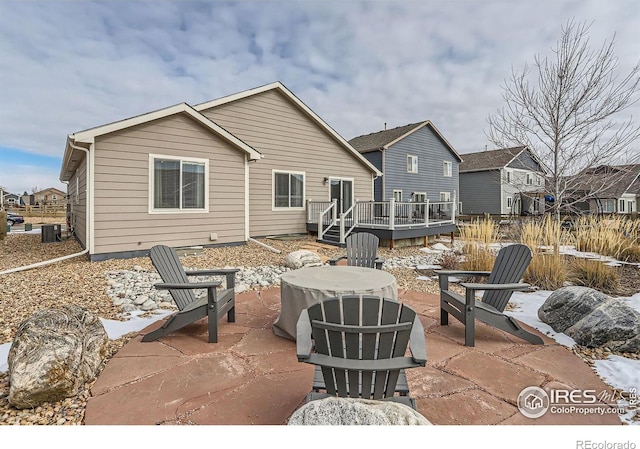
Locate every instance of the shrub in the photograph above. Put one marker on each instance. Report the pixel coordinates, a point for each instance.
(449, 261)
(611, 236)
(594, 274)
(546, 271)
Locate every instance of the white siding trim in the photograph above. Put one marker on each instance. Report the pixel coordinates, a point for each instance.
(153, 211)
(246, 199)
(91, 187)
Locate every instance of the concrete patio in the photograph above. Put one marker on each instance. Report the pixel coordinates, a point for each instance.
(253, 377)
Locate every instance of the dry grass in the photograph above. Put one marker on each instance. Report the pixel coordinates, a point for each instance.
(478, 237)
(594, 274)
(612, 236)
(547, 269)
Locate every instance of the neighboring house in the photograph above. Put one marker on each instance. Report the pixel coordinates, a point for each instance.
(49, 197)
(508, 181)
(11, 200)
(417, 163)
(609, 189)
(218, 173)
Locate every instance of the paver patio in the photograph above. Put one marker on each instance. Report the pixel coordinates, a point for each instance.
(253, 377)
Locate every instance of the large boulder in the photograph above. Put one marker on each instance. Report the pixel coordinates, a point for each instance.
(348, 411)
(613, 325)
(592, 319)
(568, 305)
(302, 258)
(54, 352)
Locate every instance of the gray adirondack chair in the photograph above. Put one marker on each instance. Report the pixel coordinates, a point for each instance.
(504, 279)
(190, 308)
(360, 344)
(362, 251)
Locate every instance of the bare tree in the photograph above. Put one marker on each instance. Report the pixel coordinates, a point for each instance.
(567, 112)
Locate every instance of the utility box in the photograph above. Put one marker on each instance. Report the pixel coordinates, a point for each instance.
(51, 233)
(28, 227)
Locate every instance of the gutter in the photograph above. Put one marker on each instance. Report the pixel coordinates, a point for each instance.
(70, 256)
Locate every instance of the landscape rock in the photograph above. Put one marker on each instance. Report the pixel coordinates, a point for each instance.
(613, 325)
(592, 319)
(54, 353)
(568, 305)
(302, 258)
(348, 411)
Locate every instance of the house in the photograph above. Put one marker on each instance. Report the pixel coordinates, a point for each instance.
(607, 189)
(11, 200)
(217, 173)
(416, 194)
(417, 163)
(507, 181)
(49, 197)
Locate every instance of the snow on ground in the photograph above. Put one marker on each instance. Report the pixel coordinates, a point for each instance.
(616, 371)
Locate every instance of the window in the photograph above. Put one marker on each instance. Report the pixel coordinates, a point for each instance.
(509, 202)
(529, 179)
(538, 180)
(397, 195)
(508, 176)
(608, 205)
(178, 184)
(412, 164)
(288, 190)
(621, 203)
(445, 196)
(54, 197)
(447, 169)
(419, 197)
(629, 206)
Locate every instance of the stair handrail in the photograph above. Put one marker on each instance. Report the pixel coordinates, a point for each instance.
(344, 233)
(332, 221)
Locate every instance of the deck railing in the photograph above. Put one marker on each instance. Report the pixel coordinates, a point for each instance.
(383, 214)
(326, 217)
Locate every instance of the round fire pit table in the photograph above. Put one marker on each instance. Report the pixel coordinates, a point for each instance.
(302, 288)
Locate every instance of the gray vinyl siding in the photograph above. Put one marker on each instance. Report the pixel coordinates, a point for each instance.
(480, 192)
(121, 199)
(289, 141)
(78, 201)
(431, 152)
(375, 157)
(524, 161)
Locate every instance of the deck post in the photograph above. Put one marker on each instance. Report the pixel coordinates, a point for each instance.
(341, 227)
(426, 214)
(334, 214)
(392, 212)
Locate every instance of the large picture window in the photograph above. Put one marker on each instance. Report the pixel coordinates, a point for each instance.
(288, 190)
(178, 184)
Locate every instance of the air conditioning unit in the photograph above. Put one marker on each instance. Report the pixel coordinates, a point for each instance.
(51, 233)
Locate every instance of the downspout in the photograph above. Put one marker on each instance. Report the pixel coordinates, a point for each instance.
(70, 256)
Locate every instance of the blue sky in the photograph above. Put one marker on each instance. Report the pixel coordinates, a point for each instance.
(71, 65)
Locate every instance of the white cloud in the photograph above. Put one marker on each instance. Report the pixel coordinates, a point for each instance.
(67, 66)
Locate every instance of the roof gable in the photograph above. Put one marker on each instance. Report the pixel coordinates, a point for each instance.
(87, 136)
(299, 104)
(383, 140)
(493, 159)
(610, 181)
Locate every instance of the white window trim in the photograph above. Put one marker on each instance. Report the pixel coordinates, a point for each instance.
(529, 179)
(447, 169)
(273, 189)
(509, 202)
(509, 176)
(446, 194)
(394, 194)
(154, 211)
(412, 157)
(419, 193)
